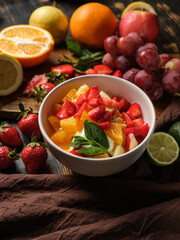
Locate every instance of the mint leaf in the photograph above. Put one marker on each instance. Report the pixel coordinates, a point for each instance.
(79, 141)
(74, 47)
(91, 151)
(94, 133)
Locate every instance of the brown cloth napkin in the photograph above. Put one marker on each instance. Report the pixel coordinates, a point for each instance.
(142, 202)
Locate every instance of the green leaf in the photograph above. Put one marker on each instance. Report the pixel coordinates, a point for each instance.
(95, 133)
(91, 151)
(74, 47)
(3, 125)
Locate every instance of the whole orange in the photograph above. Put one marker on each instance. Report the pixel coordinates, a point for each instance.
(91, 23)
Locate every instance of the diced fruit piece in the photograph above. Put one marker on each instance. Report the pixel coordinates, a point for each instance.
(105, 125)
(117, 73)
(127, 119)
(81, 99)
(95, 102)
(135, 110)
(119, 150)
(138, 122)
(68, 110)
(55, 122)
(61, 138)
(65, 68)
(37, 80)
(70, 96)
(56, 107)
(107, 116)
(131, 142)
(117, 120)
(73, 151)
(104, 95)
(125, 107)
(97, 113)
(81, 109)
(82, 90)
(138, 131)
(115, 133)
(69, 125)
(111, 103)
(102, 69)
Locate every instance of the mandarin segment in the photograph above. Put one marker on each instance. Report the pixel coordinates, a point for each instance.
(71, 96)
(69, 125)
(55, 122)
(82, 90)
(115, 133)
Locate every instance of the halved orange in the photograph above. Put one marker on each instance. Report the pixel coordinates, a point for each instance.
(28, 44)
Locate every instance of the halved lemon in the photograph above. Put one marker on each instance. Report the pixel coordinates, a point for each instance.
(30, 45)
(162, 149)
(139, 6)
(11, 74)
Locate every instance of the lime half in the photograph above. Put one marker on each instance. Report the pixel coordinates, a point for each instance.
(175, 131)
(162, 149)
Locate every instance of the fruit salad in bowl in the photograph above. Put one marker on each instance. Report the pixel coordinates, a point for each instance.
(97, 125)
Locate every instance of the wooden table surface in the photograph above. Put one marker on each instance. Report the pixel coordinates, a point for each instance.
(18, 12)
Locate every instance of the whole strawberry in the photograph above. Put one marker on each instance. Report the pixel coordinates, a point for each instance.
(9, 135)
(34, 156)
(40, 92)
(7, 157)
(28, 124)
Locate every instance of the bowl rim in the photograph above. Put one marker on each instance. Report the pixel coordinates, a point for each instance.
(48, 139)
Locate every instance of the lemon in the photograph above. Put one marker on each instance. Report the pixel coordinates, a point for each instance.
(142, 6)
(175, 131)
(11, 74)
(162, 149)
(51, 19)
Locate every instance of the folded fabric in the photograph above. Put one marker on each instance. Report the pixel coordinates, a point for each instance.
(142, 202)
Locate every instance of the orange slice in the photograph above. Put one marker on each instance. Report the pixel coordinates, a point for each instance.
(142, 6)
(28, 44)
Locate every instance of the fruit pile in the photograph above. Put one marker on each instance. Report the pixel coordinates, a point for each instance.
(34, 155)
(87, 116)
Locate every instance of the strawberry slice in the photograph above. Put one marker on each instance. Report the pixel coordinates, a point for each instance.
(37, 80)
(107, 116)
(95, 102)
(92, 93)
(73, 151)
(105, 125)
(90, 71)
(81, 99)
(96, 113)
(80, 110)
(138, 122)
(135, 110)
(111, 103)
(65, 68)
(127, 119)
(102, 69)
(126, 105)
(68, 109)
(117, 73)
(115, 99)
(141, 131)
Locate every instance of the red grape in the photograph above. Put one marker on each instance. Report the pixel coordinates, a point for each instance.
(137, 38)
(173, 64)
(152, 45)
(171, 81)
(144, 79)
(164, 58)
(127, 46)
(109, 60)
(148, 59)
(110, 45)
(124, 63)
(130, 74)
(155, 92)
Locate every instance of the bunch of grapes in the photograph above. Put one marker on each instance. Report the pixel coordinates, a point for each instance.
(141, 64)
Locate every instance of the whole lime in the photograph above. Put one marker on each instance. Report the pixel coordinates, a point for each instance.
(51, 19)
(175, 131)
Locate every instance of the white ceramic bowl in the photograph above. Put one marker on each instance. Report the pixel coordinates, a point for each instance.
(113, 86)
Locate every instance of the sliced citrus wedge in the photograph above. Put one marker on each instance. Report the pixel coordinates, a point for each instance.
(11, 74)
(139, 6)
(28, 44)
(162, 149)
